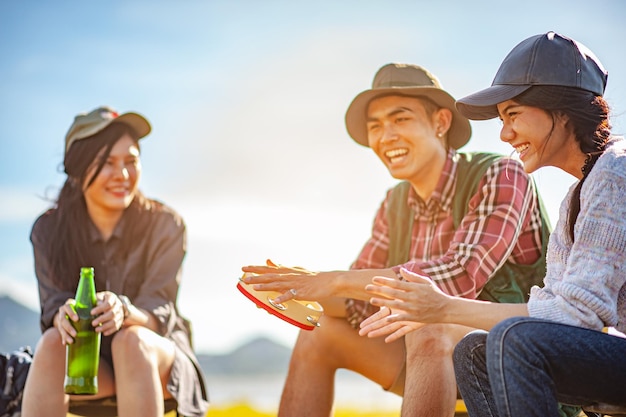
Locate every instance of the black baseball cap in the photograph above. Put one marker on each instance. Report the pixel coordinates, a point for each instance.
(547, 59)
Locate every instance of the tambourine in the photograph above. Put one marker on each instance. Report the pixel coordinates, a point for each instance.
(302, 314)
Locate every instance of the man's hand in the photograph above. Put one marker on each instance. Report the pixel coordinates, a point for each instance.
(292, 282)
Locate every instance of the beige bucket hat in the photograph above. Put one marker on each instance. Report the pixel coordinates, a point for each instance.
(406, 80)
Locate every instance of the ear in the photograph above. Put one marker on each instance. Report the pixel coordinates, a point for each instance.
(562, 119)
(442, 119)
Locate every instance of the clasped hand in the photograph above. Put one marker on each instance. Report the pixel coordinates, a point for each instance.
(108, 313)
(404, 305)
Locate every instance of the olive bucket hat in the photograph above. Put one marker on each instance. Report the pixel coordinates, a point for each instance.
(547, 59)
(406, 80)
(88, 124)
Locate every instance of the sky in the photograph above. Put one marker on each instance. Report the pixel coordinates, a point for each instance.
(247, 102)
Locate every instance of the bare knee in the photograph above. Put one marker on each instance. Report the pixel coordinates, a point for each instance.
(436, 340)
(47, 368)
(139, 347)
(50, 345)
(128, 344)
(325, 345)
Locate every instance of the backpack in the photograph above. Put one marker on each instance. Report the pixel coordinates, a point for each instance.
(14, 368)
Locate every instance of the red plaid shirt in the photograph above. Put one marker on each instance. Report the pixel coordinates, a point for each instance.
(502, 222)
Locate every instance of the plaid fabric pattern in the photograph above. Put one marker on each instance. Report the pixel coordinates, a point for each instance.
(502, 222)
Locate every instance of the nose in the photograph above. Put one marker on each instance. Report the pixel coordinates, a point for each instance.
(121, 171)
(389, 133)
(506, 133)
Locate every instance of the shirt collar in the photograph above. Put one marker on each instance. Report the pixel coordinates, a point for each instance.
(443, 194)
(94, 233)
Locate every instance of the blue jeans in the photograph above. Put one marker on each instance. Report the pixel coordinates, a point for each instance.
(526, 366)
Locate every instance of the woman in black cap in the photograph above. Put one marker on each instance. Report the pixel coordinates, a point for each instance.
(548, 93)
(136, 246)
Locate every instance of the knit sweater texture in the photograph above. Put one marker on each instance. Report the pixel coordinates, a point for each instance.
(585, 283)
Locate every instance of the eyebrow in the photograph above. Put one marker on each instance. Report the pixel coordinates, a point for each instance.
(504, 110)
(391, 113)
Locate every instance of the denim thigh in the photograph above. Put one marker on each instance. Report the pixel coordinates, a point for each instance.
(533, 364)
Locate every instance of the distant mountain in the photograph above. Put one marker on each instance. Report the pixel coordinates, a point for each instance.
(19, 326)
(259, 356)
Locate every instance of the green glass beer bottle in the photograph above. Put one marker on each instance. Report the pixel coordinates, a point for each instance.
(83, 356)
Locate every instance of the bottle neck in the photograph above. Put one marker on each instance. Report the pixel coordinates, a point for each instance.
(86, 291)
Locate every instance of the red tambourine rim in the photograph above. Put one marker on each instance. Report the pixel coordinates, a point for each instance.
(270, 310)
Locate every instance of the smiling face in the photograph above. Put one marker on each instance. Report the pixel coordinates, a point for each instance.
(115, 186)
(409, 137)
(540, 138)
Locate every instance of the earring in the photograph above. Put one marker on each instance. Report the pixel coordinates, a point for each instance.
(587, 165)
(439, 135)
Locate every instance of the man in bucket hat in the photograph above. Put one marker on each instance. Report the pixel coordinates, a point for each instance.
(472, 223)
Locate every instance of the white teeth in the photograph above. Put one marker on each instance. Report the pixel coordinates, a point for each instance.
(395, 153)
(521, 148)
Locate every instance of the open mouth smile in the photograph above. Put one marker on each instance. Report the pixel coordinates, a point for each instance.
(396, 155)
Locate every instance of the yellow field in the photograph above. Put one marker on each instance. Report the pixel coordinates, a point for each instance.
(244, 410)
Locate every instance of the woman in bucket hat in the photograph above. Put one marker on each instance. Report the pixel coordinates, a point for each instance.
(548, 93)
(136, 246)
(466, 220)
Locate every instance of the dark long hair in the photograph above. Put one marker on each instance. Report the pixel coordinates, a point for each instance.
(68, 246)
(588, 115)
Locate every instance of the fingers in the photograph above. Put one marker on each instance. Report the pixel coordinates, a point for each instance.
(284, 268)
(109, 313)
(63, 323)
(259, 269)
(385, 295)
(380, 330)
(376, 321)
(380, 314)
(286, 281)
(391, 303)
(385, 323)
(413, 277)
(393, 330)
(289, 295)
(261, 278)
(397, 284)
(67, 309)
(108, 327)
(398, 334)
(385, 289)
(281, 283)
(272, 267)
(109, 317)
(269, 267)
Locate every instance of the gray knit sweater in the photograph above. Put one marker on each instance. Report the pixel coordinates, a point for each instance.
(585, 283)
